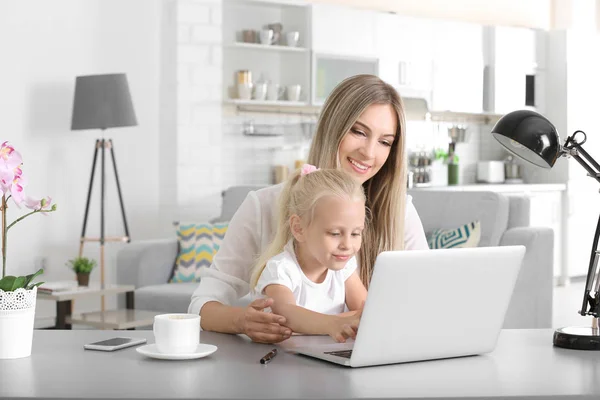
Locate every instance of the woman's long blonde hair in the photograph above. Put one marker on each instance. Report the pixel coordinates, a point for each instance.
(386, 191)
(299, 197)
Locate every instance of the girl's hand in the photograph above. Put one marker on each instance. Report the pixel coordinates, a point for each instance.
(260, 326)
(342, 328)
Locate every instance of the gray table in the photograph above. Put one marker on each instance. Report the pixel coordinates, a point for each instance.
(524, 365)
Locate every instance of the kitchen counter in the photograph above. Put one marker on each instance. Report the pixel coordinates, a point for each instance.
(501, 187)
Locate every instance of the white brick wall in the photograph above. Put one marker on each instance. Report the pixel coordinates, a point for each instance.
(199, 134)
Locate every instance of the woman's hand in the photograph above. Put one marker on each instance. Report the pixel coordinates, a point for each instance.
(260, 326)
(344, 327)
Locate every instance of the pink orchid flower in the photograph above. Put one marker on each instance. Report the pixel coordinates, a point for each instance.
(307, 169)
(10, 170)
(16, 189)
(9, 157)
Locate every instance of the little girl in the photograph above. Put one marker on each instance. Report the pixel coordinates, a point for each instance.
(309, 269)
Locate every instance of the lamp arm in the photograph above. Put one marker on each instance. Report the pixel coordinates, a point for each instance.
(575, 150)
(592, 300)
(591, 295)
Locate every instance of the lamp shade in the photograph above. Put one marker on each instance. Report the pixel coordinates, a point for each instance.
(102, 101)
(530, 136)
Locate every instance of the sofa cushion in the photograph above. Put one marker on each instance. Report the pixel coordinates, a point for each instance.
(467, 235)
(447, 209)
(198, 243)
(195, 251)
(167, 297)
(219, 229)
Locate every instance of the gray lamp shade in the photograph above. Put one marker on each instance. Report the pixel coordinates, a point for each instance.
(102, 101)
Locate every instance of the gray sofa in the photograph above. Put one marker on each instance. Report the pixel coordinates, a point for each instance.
(504, 221)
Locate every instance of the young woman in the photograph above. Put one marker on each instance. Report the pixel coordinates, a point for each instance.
(361, 130)
(309, 269)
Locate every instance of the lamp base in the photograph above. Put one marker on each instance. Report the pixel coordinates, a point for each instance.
(577, 338)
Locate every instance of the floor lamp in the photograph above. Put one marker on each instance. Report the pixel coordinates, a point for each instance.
(101, 102)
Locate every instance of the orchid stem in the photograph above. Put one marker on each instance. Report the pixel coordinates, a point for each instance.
(4, 231)
(25, 216)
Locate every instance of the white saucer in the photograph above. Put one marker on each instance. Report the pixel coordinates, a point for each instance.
(202, 350)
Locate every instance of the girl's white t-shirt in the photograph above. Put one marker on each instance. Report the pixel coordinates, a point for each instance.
(327, 297)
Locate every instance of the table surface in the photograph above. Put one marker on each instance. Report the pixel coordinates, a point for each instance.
(83, 291)
(115, 319)
(523, 365)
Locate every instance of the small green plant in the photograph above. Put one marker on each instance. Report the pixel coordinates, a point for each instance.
(81, 265)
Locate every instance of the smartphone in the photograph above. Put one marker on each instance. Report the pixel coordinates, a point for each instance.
(114, 344)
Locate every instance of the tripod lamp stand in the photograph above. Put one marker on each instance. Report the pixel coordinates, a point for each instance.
(533, 138)
(101, 102)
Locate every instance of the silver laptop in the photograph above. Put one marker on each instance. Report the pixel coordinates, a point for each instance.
(430, 304)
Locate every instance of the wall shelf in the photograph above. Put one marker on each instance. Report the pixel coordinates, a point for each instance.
(452, 116)
(303, 108)
(263, 103)
(275, 107)
(265, 47)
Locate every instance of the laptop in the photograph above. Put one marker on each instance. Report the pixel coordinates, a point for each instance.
(430, 304)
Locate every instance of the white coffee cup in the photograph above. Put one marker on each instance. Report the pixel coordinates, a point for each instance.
(274, 91)
(291, 38)
(266, 36)
(293, 92)
(260, 91)
(177, 333)
(244, 91)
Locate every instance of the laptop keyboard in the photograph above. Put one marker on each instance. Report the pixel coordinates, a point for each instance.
(340, 353)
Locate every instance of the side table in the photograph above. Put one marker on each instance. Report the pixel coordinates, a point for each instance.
(109, 319)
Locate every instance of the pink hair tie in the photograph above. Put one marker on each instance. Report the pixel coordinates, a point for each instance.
(307, 169)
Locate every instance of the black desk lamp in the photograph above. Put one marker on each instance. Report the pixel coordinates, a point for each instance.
(102, 101)
(532, 137)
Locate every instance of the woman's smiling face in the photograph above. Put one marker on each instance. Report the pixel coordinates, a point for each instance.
(367, 145)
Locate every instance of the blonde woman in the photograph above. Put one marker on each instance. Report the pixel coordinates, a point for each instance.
(361, 130)
(309, 269)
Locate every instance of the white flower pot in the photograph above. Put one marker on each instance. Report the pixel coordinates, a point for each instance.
(17, 312)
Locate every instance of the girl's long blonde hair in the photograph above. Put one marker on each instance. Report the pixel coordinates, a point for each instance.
(300, 196)
(386, 191)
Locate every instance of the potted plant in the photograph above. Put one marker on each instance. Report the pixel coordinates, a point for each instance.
(17, 293)
(82, 267)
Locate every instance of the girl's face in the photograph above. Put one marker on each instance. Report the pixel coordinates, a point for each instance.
(367, 145)
(334, 234)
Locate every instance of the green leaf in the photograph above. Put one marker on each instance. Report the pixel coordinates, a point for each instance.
(7, 283)
(19, 282)
(34, 285)
(29, 278)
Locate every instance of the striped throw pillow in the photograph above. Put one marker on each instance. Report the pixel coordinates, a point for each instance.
(464, 236)
(219, 230)
(195, 251)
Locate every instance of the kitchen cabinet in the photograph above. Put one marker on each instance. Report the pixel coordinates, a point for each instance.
(343, 30)
(454, 66)
(516, 67)
(458, 67)
(276, 63)
(331, 69)
(405, 53)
